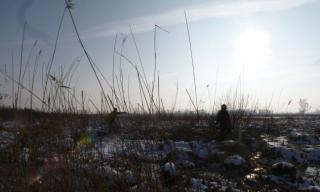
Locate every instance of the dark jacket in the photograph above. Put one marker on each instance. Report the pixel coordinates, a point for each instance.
(111, 117)
(223, 119)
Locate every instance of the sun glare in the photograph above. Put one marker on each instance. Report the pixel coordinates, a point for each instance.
(252, 50)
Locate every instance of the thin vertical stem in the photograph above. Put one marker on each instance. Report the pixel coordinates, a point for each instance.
(53, 54)
(215, 89)
(193, 68)
(82, 101)
(87, 55)
(13, 94)
(139, 55)
(113, 63)
(155, 61)
(20, 68)
(159, 98)
(33, 77)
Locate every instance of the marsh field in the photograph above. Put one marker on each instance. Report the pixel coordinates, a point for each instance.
(138, 112)
(169, 152)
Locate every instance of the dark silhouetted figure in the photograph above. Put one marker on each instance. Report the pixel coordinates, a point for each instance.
(111, 120)
(223, 121)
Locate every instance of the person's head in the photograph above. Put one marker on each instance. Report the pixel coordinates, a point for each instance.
(223, 107)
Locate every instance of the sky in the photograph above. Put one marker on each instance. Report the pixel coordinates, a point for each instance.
(267, 50)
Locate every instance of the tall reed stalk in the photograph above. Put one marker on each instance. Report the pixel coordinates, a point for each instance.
(48, 72)
(23, 87)
(28, 61)
(155, 63)
(12, 86)
(113, 64)
(35, 69)
(86, 53)
(195, 104)
(20, 67)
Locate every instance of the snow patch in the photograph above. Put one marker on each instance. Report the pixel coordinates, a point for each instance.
(199, 184)
(170, 168)
(312, 154)
(236, 160)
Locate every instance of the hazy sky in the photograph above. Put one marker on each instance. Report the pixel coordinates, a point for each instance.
(269, 48)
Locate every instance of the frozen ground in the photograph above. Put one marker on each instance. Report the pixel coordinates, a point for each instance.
(278, 154)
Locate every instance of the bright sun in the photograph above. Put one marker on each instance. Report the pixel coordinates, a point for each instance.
(252, 50)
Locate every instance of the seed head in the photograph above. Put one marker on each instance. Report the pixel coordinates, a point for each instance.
(69, 4)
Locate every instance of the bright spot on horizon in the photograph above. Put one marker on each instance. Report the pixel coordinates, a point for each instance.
(252, 51)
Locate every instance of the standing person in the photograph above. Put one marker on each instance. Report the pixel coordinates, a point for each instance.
(111, 119)
(224, 122)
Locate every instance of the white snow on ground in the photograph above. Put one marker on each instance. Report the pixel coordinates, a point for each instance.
(280, 179)
(199, 184)
(187, 164)
(108, 172)
(8, 134)
(129, 176)
(25, 154)
(277, 141)
(15, 125)
(155, 150)
(202, 185)
(200, 149)
(229, 143)
(144, 149)
(312, 171)
(312, 154)
(182, 146)
(234, 160)
(310, 188)
(301, 148)
(6, 138)
(111, 174)
(291, 154)
(170, 168)
(304, 184)
(10, 124)
(303, 138)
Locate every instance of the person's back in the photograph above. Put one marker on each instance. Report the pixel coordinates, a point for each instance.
(111, 118)
(223, 120)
